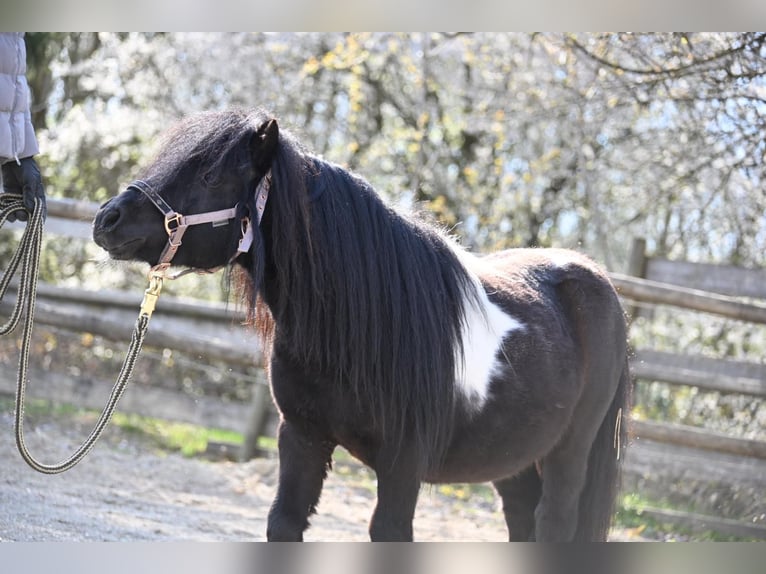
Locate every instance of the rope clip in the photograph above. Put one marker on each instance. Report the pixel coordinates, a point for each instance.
(152, 293)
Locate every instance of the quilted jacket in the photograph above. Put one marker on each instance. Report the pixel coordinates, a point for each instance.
(17, 136)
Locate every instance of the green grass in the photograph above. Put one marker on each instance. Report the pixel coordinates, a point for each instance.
(630, 516)
(38, 408)
(189, 440)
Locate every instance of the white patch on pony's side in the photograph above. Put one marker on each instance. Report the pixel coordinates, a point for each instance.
(484, 328)
(483, 334)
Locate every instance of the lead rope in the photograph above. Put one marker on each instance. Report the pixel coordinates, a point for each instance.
(28, 255)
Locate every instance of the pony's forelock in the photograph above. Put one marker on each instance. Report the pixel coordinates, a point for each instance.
(213, 142)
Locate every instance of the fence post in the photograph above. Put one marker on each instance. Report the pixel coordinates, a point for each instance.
(637, 268)
(259, 412)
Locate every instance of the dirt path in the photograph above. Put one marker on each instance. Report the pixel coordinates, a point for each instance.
(127, 491)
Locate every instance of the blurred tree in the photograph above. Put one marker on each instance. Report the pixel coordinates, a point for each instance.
(696, 142)
(508, 139)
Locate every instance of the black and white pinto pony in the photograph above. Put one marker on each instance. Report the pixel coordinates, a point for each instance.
(427, 363)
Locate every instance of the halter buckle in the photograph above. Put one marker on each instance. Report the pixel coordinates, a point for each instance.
(246, 238)
(173, 221)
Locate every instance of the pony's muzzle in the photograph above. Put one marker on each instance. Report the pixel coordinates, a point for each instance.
(108, 217)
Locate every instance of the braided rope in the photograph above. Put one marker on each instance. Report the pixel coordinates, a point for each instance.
(28, 256)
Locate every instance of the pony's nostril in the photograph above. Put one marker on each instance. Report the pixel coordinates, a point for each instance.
(110, 218)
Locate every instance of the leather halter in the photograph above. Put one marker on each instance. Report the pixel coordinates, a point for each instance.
(176, 223)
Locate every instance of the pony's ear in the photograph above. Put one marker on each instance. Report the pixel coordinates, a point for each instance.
(263, 144)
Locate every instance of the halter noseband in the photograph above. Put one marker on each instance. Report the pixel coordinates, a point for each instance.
(176, 223)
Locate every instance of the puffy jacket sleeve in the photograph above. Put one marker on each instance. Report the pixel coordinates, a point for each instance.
(17, 135)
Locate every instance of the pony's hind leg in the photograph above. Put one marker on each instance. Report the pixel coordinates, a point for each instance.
(303, 465)
(582, 466)
(565, 474)
(563, 481)
(520, 495)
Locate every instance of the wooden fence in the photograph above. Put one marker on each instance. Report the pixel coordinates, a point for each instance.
(681, 452)
(212, 332)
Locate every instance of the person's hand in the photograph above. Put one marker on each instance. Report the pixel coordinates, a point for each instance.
(24, 179)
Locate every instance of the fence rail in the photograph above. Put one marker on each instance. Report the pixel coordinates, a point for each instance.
(648, 291)
(722, 375)
(697, 438)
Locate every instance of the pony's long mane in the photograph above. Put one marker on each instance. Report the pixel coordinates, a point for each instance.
(365, 295)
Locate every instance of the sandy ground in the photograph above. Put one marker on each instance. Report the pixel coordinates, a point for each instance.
(127, 491)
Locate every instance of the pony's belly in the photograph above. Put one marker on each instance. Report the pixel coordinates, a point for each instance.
(484, 450)
(479, 469)
(485, 465)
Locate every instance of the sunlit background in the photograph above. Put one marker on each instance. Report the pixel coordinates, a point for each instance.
(578, 140)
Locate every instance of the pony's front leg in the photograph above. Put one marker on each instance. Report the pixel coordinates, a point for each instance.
(398, 490)
(520, 495)
(303, 463)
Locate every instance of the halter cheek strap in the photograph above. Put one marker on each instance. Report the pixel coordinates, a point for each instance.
(176, 223)
(261, 195)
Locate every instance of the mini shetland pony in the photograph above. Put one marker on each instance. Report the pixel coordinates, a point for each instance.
(426, 362)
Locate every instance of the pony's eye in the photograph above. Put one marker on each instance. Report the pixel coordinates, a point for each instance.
(210, 180)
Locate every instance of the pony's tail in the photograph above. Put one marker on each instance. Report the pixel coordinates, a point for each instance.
(598, 498)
